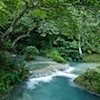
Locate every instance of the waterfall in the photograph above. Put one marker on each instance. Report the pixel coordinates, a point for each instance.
(53, 82)
(46, 78)
(53, 69)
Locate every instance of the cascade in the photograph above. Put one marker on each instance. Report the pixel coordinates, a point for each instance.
(46, 78)
(53, 81)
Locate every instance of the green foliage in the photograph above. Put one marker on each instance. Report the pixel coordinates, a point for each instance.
(5, 59)
(53, 20)
(8, 61)
(12, 71)
(39, 13)
(30, 52)
(98, 67)
(61, 24)
(68, 50)
(8, 78)
(54, 54)
(8, 9)
(92, 58)
(27, 21)
(59, 59)
(7, 46)
(48, 28)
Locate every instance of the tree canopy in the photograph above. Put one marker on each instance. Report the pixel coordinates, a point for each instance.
(64, 24)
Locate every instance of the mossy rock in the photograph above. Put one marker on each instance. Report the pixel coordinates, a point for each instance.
(92, 58)
(90, 80)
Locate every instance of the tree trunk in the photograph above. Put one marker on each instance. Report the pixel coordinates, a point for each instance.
(79, 45)
(20, 37)
(17, 39)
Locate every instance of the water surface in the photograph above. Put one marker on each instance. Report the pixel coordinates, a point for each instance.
(57, 86)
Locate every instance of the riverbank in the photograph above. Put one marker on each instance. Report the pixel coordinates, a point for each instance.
(90, 80)
(92, 58)
(12, 72)
(49, 87)
(42, 66)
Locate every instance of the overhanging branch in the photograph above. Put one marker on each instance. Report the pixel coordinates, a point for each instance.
(20, 37)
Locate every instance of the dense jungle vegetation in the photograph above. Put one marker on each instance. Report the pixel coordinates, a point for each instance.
(64, 30)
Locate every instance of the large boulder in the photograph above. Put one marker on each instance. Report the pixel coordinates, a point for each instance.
(90, 80)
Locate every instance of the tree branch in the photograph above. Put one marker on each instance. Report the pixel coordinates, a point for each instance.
(20, 37)
(10, 29)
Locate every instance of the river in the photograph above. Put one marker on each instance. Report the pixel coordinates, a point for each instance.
(53, 81)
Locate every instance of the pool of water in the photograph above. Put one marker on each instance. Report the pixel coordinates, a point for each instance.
(57, 86)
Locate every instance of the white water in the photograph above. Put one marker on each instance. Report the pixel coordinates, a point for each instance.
(67, 71)
(32, 82)
(45, 85)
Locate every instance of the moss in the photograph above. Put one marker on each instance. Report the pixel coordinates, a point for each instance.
(59, 59)
(54, 54)
(90, 80)
(92, 58)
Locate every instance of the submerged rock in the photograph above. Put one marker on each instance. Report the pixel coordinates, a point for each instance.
(90, 80)
(50, 69)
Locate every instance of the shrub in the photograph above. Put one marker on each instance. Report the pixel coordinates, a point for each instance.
(54, 54)
(70, 54)
(6, 45)
(59, 59)
(12, 71)
(30, 52)
(8, 78)
(7, 60)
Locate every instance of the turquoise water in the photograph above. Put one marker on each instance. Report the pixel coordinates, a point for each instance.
(58, 86)
(58, 89)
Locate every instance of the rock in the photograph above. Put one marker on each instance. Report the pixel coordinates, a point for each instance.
(90, 80)
(50, 69)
